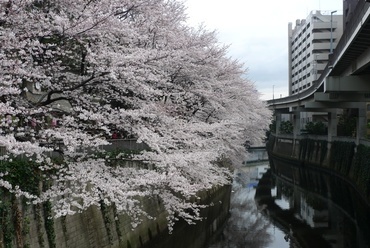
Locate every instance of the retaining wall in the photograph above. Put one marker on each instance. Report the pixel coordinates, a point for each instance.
(340, 157)
(29, 226)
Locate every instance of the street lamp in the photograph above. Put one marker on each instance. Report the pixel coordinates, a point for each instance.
(331, 31)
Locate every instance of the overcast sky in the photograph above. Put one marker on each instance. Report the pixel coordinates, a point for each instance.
(257, 32)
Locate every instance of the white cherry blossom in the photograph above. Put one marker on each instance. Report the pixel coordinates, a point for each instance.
(73, 72)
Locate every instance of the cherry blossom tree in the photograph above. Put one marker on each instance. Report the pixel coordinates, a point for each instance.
(72, 72)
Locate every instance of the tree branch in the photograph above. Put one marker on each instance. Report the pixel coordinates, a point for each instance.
(49, 99)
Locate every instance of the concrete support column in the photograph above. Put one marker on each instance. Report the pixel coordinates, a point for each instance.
(332, 124)
(278, 122)
(296, 124)
(361, 123)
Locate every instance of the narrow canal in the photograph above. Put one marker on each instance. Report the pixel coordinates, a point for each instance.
(313, 210)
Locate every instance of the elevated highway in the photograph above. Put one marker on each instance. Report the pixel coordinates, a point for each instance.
(350, 58)
(344, 83)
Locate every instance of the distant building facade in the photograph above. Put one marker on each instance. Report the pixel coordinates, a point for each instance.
(310, 42)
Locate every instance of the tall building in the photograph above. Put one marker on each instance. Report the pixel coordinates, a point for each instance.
(310, 43)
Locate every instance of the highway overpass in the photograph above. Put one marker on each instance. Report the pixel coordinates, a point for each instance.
(344, 83)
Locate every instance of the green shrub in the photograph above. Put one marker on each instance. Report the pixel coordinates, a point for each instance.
(346, 126)
(317, 128)
(286, 127)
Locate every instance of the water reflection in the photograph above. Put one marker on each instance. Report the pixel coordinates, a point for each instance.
(336, 223)
(321, 209)
(297, 208)
(247, 225)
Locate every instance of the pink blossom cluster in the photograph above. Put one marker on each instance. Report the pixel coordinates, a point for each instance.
(134, 66)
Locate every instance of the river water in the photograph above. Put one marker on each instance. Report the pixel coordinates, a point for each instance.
(291, 216)
(247, 226)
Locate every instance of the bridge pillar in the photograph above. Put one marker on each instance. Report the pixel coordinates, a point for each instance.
(278, 122)
(361, 123)
(332, 124)
(296, 123)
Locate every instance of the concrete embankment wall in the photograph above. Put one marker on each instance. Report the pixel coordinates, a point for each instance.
(25, 225)
(32, 226)
(341, 158)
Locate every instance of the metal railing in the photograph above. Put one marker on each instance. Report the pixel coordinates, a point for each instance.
(291, 138)
(115, 144)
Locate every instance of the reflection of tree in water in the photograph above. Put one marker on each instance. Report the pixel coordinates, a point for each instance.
(246, 227)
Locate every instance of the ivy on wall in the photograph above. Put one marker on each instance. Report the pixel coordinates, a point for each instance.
(107, 220)
(341, 156)
(49, 224)
(312, 150)
(28, 177)
(25, 173)
(360, 171)
(38, 218)
(118, 225)
(6, 223)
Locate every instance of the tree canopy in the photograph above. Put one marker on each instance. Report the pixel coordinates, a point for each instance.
(73, 72)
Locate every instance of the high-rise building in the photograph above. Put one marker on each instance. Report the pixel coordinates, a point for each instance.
(310, 43)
